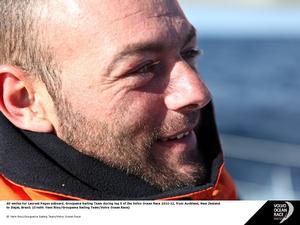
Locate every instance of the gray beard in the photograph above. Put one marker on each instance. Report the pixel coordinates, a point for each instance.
(125, 150)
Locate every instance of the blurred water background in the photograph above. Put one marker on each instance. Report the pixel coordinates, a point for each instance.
(251, 64)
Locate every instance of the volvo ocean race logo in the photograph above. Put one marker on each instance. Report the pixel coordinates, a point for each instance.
(283, 211)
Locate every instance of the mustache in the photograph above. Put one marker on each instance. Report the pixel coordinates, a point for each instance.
(180, 122)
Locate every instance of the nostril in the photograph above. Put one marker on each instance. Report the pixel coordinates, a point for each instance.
(194, 107)
(191, 107)
(188, 97)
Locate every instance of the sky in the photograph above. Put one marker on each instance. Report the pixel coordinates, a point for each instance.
(236, 21)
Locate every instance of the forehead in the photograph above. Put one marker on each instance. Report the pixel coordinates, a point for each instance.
(114, 11)
(107, 25)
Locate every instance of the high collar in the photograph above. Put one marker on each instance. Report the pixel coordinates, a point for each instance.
(42, 161)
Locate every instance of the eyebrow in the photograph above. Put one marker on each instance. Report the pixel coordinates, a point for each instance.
(151, 47)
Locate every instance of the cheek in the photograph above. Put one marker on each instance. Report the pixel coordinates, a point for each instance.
(133, 110)
(141, 109)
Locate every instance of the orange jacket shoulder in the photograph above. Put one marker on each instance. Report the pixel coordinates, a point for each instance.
(9, 190)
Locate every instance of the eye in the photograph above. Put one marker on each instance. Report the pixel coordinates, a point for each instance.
(145, 68)
(191, 54)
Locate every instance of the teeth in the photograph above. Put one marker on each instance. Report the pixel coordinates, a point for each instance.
(176, 137)
(179, 136)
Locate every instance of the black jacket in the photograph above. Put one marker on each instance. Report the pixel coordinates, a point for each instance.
(42, 162)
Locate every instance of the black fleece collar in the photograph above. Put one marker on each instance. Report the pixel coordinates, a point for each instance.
(42, 161)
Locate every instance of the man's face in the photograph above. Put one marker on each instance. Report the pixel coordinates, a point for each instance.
(130, 95)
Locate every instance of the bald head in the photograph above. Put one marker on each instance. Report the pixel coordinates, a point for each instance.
(34, 36)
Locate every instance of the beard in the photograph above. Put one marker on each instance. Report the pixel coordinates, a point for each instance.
(130, 147)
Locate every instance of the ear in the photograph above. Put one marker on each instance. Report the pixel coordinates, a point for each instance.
(19, 103)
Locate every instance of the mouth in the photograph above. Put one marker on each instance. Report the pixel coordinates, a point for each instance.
(178, 136)
(174, 146)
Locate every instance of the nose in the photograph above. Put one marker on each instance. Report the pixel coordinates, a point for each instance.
(186, 91)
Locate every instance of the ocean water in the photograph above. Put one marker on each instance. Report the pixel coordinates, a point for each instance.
(255, 84)
(251, 66)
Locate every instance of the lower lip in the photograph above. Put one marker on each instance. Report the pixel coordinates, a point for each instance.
(179, 145)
